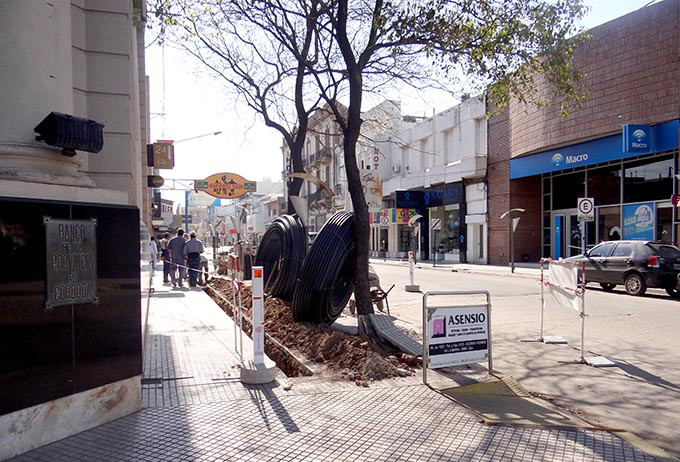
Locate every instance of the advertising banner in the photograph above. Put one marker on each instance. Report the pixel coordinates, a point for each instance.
(639, 221)
(201, 199)
(458, 335)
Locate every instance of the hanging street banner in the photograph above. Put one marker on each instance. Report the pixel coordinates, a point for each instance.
(638, 221)
(201, 199)
(458, 335)
(225, 185)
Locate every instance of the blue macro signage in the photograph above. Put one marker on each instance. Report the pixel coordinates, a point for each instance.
(657, 138)
(639, 221)
(638, 138)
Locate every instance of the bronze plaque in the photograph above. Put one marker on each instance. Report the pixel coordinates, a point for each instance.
(71, 261)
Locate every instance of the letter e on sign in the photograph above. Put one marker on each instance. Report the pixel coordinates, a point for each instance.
(586, 209)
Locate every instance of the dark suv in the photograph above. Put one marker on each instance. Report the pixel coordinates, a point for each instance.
(635, 264)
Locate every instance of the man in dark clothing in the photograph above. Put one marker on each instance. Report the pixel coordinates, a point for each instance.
(176, 249)
(193, 250)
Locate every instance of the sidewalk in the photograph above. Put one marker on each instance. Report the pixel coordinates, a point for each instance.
(526, 270)
(196, 409)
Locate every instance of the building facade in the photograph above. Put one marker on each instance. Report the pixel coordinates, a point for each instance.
(619, 148)
(323, 159)
(70, 295)
(437, 169)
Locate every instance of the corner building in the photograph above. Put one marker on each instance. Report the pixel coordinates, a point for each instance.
(619, 148)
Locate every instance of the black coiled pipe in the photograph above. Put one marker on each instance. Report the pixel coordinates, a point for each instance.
(326, 280)
(281, 253)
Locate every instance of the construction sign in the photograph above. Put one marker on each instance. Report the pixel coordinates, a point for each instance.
(225, 185)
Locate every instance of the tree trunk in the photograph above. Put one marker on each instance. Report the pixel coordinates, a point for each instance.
(294, 185)
(356, 190)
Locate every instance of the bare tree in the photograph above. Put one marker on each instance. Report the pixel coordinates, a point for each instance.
(262, 51)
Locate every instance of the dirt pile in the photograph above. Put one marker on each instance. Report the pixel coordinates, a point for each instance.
(346, 355)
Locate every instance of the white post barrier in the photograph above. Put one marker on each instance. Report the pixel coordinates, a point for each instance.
(257, 371)
(258, 316)
(411, 287)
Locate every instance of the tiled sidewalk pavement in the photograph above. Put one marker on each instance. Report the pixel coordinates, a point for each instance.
(202, 413)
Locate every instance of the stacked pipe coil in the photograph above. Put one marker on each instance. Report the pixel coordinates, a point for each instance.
(281, 253)
(326, 280)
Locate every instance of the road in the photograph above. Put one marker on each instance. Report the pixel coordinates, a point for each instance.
(640, 334)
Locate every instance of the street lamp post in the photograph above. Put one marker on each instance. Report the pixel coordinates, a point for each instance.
(513, 224)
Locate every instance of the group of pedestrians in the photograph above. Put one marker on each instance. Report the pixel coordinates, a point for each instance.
(182, 255)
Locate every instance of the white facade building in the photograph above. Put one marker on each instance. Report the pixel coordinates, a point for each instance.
(323, 158)
(441, 162)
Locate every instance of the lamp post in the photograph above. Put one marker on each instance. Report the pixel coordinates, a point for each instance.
(513, 225)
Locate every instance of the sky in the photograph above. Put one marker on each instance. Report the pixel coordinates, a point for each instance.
(186, 102)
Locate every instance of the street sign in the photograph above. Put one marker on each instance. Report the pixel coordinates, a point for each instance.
(154, 181)
(437, 224)
(201, 184)
(586, 209)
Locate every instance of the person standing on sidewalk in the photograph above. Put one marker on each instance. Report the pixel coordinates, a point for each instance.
(165, 256)
(153, 251)
(193, 250)
(176, 249)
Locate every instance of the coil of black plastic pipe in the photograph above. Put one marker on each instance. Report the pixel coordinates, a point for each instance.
(281, 253)
(326, 280)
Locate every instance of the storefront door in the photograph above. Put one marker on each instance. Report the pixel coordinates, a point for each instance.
(566, 234)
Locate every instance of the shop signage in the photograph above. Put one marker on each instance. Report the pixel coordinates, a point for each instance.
(154, 181)
(662, 137)
(388, 216)
(436, 196)
(458, 335)
(638, 138)
(161, 154)
(226, 185)
(639, 221)
(71, 262)
(443, 195)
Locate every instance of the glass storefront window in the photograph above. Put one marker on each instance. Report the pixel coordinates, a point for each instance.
(570, 187)
(648, 179)
(664, 224)
(406, 242)
(609, 223)
(604, 185)
(447, 239)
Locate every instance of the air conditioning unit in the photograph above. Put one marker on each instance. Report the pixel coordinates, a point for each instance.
(396, 168)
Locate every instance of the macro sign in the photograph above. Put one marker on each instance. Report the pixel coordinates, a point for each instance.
(226, 185)
(638, 138)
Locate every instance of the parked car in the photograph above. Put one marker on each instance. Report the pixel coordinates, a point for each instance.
(635, 264)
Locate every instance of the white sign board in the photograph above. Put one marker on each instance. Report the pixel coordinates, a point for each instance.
(258, 315)
(457, 335)
(564, 284)
(437, 224)
(586, 209)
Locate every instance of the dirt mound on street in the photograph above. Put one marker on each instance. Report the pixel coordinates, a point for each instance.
(345, 355)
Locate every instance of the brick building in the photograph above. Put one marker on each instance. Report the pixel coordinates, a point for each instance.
(620, 147)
